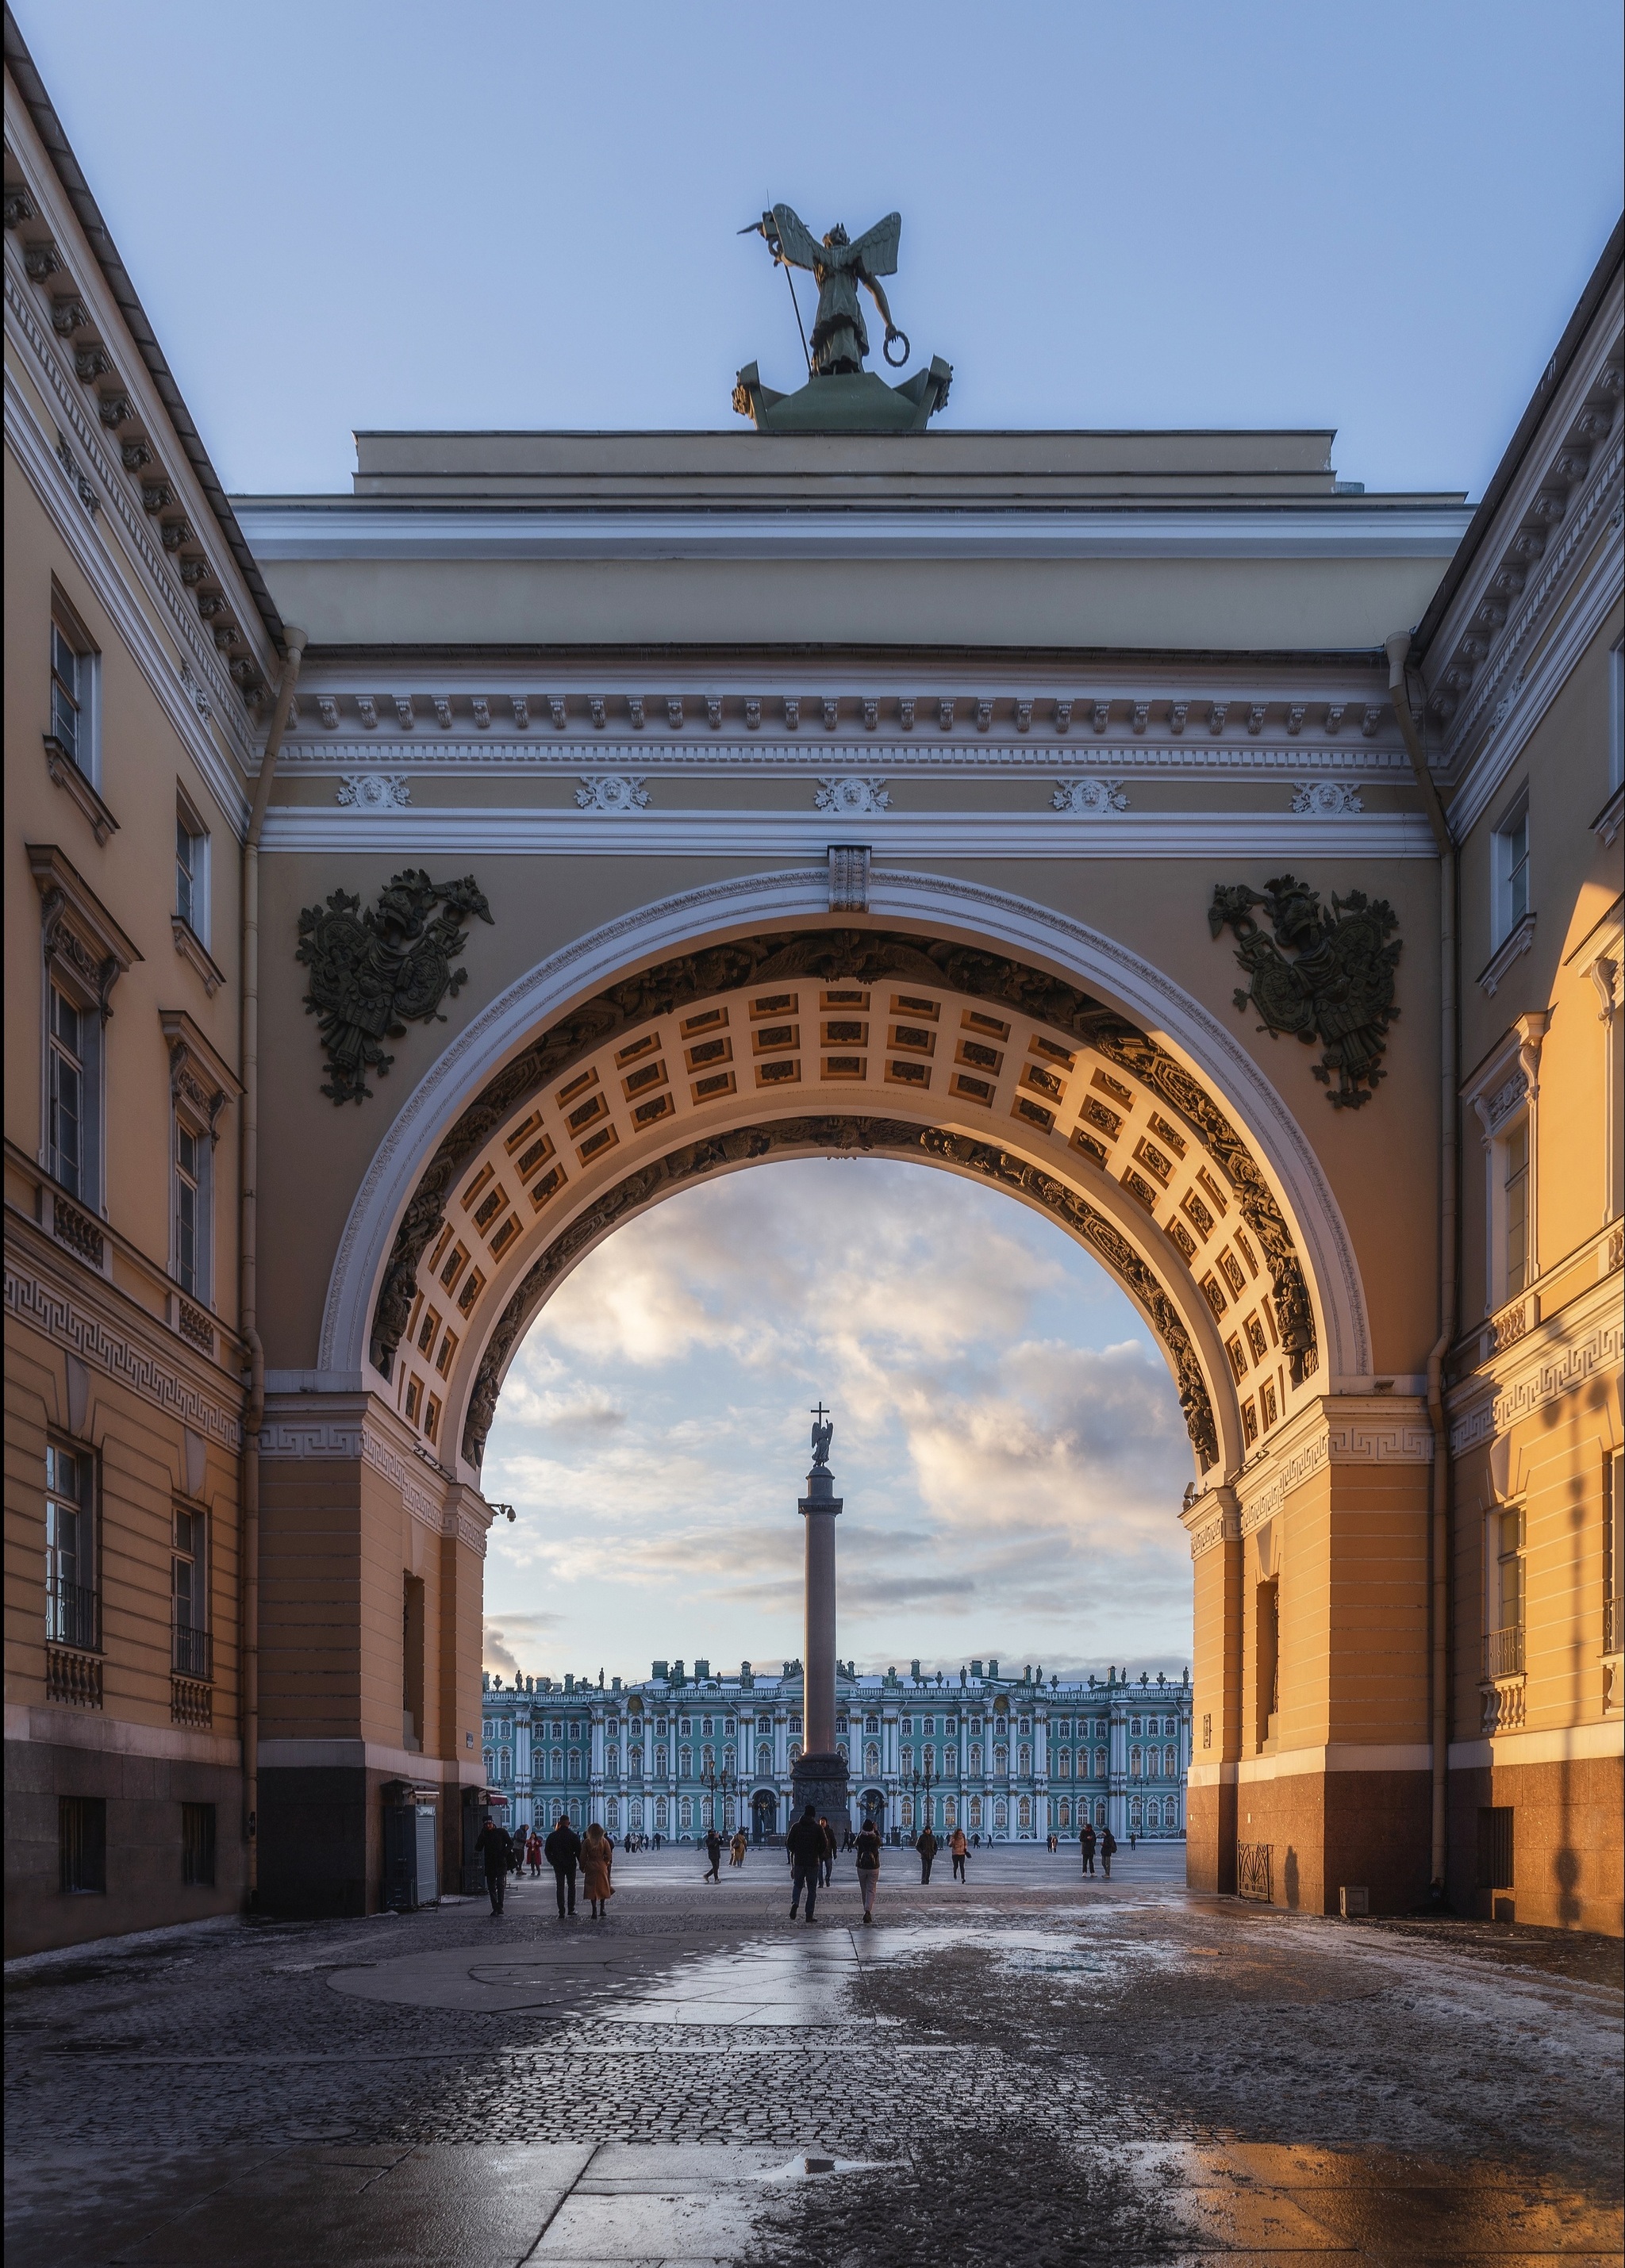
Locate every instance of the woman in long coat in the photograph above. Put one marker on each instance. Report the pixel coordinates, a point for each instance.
(597, 1862)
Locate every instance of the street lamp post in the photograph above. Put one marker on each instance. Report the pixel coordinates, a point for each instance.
(922, 1780)
(711, 1779)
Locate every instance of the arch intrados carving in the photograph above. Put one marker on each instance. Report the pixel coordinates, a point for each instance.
(970, 924)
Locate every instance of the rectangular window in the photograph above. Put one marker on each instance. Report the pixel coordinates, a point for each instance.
(1515, 1214)
(1510, 871)
(71, 1616)
(73, 687)
(188, 1583)
(189, 1228)
(68, 1086)
(197, 1845)
(1613, 1582)
(82, 1842)
(191, 870)
(1503, 1620)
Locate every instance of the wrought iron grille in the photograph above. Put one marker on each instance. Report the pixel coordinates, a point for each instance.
(193, 1654)
(1254, 1876)
(1503, 1651)
(72, 1614)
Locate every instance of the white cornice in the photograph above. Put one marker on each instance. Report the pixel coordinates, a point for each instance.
(428, 753)
(491, 831)
(1530, 694)
(346, 529)
(107, 576)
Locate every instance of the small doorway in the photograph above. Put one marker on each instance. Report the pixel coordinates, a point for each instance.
(764, 1816)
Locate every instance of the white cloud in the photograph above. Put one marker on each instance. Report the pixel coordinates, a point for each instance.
(1008, 1438)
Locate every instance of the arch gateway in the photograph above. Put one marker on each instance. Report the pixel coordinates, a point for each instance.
(1220, 859)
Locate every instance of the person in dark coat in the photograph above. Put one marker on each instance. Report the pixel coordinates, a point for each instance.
(491, 1845)
(1108, 1845)
(869, 1868)
(1086, 1846)
(714, 1851)
(562, 1851)
(805, 1843)
(828, 1868)
(925, 1842)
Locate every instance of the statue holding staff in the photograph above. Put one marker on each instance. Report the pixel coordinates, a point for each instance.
(839, 338)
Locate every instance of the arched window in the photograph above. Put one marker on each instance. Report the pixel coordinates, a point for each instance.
(976, 1813)
(660, 1763)
(950, 1760)
(685, 1815)
(1133, 1763)
(951, 1811)
(728, 1757)
(1171, 1763)
(1026, 1761)
(975, 1760)
(576, 1764)
(1063, 1764)
(906, 1809)
(1100, 1813)
(908, 1760)
(612, 1816)
(685, 1764)
(1002, 1762)
(708, 1760)
(612, 1764)
(659, 1816)
(1002, 1817)
(635, 1763)
(634, 1816)
(765, 1762)
(1136, 1816)
(1100, 1763)
(1024, 1815)
(871, 1724)
(1063, 1815)
(871, 1757)
(796, 1752)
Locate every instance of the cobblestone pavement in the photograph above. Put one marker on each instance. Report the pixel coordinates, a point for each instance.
(1028, 2069)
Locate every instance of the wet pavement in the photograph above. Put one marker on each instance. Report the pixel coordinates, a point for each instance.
(1027, 2069)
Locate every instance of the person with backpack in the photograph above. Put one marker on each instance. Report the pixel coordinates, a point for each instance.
(1086, 1846)
(805, 1846)
(1108, 1845)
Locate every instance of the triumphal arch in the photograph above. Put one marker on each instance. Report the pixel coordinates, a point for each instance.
(1123, 819)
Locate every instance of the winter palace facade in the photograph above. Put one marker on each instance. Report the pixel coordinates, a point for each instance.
(1011, 1759)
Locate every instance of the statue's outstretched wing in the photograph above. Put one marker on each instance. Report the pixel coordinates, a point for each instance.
(875, 251)
(797, 240)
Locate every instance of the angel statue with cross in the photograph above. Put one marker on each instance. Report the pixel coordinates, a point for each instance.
(822, 1435)
(839, 340)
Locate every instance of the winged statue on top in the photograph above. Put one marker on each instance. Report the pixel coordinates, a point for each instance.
(839, 339)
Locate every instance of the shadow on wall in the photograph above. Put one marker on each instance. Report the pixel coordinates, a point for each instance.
(1289, 1880)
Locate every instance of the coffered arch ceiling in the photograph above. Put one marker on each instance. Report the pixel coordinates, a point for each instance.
(869, 1037)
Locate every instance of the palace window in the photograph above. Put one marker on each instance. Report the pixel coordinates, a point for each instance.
(685, 1817)
(1100, 1763)
(1026, 1761)
(951, 1762)
(765, 1762)
(193, 1175)
(908, 1760)
(1170, 1762)
(1100, 1812)
(976, 1811)
(1133, 1763)
(74, 674)
(976, 1759)
(1509, 870)
(1002, 1761)
(1023, 1815)
(685, 1764)
(72, 1603)
(188, 1586)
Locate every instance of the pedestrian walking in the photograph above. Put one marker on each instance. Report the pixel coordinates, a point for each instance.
(533, 1856)
(738, 1848)
(1108, 1845)
(1086, 1846)
(562, 1850)
(1131, 1840)
(957, 1848)
(827, 1870)
(597, 1866)
(492, 1845)
(714, 1851)
(869, 1868)
(925, 1842)
(805, 1846)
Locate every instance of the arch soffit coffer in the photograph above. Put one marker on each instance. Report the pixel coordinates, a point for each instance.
(1021, 1134)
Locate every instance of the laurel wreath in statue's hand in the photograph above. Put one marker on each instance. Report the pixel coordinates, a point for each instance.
(897, 361)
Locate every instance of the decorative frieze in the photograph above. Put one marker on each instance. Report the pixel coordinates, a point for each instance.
(34, 1303)
(615, 791)
(852, 797)
(373, 790)
(1090, 797)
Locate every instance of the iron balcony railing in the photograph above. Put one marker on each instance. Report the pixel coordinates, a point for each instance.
(73, 1615)
(193, 1652)
(1503, 1651)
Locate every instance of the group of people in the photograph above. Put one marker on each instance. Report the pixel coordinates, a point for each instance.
(809, 1849)
(564, 1851)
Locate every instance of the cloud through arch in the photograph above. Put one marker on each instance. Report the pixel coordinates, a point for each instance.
(1008, 1438)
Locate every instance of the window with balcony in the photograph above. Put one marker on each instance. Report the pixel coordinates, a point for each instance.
(1514, 1161)
(73, 1057)
(1503, 1620)
(189, 1591)
(72, 1601)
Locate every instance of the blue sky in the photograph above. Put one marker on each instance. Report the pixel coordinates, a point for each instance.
(1373, 216)
(1007, 1442)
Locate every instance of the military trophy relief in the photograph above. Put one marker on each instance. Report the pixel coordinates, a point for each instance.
(374, 971)
(1326, 978)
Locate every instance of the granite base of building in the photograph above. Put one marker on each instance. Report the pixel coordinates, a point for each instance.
(321, 1838)
(1297, 1839)
(133, 1834)
(822, 1781)
(1541, 1843)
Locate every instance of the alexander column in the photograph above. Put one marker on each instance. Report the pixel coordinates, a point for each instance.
(820, 1776)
